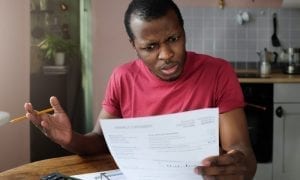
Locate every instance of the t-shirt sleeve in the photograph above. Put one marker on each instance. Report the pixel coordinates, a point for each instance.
(229, 92)
(111, 100)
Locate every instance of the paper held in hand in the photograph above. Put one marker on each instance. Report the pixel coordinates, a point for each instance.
(165, 147)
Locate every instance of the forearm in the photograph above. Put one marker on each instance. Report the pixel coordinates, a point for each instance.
(250, 160)
(251, 165)
(234, 136)
(87, 144)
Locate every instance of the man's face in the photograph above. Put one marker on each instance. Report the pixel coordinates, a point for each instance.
(160, 43)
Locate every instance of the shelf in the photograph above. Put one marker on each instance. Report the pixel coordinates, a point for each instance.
(55, 70)
(41, 11)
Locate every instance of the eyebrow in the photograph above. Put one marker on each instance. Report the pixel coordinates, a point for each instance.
(151, 42)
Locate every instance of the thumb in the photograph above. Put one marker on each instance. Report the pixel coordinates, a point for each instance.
(56, 105)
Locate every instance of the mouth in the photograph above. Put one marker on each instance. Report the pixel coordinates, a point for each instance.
(169, 70)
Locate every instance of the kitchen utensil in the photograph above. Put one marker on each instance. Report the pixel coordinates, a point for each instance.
(284, 54)
(296, 54)
(246, 16)
(265, 66)
(242, 17)
(267, 55)
(293, 66)
(291, 69)
(275, 40)
(266, 58)
(239, 19)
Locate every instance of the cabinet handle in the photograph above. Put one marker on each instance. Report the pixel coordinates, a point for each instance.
(279, 112)
(259, 107)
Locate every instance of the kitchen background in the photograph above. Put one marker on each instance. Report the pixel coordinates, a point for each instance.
(217, 32)
(209, 30)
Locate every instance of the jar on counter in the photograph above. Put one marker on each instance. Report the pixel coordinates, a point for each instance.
(265, 69)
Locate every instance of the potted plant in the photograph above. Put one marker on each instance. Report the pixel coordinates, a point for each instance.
(56, 47)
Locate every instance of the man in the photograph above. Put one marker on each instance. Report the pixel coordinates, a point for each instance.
(164, 79)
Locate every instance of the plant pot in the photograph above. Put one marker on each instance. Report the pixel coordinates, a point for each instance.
(59, 59)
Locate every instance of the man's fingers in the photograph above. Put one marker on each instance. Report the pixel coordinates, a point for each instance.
(227, 164)
(232, 157)
(28, 107)
(220, 170)
(41, 121)
(31, 113)
(56, 105)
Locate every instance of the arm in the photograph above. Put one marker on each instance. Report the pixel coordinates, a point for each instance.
(236, 160)
(57, 127)
(90, 143)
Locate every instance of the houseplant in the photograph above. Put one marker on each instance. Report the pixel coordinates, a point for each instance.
(55, 48)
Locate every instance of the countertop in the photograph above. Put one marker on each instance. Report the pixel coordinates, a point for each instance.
(67, 165)
(274, 77)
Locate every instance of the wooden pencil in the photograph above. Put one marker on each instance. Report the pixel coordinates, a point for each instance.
(24, 117)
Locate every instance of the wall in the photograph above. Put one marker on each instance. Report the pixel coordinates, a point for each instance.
(14, 79)
(110, 44)
(216, 32)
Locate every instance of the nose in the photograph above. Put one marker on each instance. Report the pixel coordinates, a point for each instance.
(165, 53)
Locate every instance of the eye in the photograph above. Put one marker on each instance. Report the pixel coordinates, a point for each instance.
(150, 47)
(173, 39)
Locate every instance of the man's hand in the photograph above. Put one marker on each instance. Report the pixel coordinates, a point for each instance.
(55, 126)
(231, 166)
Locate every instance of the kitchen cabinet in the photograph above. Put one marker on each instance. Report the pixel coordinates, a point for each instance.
(42, 87)
(286, 135)
(260, 121)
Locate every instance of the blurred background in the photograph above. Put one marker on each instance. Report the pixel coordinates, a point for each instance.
(96, 42)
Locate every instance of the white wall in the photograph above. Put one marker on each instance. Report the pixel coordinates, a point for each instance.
(14, 80)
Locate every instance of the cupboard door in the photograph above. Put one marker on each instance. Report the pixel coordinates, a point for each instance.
(286, 141)
(287, 93)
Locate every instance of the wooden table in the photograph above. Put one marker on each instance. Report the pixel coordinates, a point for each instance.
(67, 165)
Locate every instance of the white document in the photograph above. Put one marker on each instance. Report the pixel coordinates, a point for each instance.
(166, 147)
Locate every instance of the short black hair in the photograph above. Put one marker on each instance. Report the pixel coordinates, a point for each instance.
(149, 10)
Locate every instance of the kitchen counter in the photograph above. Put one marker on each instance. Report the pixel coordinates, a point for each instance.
(276, 77)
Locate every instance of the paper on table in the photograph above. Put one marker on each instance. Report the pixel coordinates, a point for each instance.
(104, 175)
(163, 147)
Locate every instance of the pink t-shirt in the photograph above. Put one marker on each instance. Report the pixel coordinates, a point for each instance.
(133, 91)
